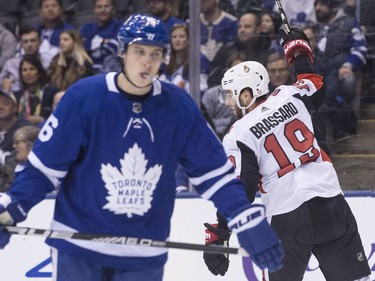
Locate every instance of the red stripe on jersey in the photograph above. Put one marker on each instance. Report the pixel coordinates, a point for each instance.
(325, 157)
(315, 78)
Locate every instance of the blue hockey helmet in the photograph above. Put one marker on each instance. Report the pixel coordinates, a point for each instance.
(144, 29)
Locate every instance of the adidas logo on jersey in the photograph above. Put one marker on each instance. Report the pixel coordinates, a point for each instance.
(264, 108)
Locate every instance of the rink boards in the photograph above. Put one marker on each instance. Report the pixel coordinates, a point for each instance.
(27, 258)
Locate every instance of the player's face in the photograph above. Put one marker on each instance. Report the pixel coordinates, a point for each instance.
(180, 40)
(30, 43)
(141, 62)
(66, 43)
(29, 73)
(50, 10)
(104, 10)
(230, 101)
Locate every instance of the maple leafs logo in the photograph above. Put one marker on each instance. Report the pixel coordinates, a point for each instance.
(130, 189)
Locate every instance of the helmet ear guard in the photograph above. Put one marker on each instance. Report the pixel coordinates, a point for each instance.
(248, 74)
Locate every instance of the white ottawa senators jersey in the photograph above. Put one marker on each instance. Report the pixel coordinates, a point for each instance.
(292, 167)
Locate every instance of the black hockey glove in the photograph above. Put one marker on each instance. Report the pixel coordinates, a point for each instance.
(218, 234)
(294, 44)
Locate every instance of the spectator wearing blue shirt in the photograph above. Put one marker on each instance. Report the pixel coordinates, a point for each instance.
(100, 37)
(51, 12)
(217, 28)
(166, 10)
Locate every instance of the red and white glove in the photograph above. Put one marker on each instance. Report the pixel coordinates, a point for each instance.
(295, 43)
(217, 234)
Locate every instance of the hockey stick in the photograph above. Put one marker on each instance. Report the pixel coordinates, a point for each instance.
(123, 240)
(283, 16)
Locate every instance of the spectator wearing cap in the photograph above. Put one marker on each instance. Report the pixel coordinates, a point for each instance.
(9, 123)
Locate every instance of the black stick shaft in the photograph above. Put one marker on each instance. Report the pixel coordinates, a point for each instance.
(123, 240)
(283, 15)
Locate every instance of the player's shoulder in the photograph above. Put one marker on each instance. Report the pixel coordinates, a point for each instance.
(176, 101)
(174, 94)
(233, 131)
(280, 95)
(87, 84)
(89, 88)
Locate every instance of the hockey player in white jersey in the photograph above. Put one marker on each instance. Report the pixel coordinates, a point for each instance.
(112, 147)
(273, 149)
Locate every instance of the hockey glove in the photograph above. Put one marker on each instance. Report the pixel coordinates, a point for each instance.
(294, 44)
(216, 234)
(11, 213)
(257, 237)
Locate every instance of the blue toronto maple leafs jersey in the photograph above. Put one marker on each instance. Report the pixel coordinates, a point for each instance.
(113, 158)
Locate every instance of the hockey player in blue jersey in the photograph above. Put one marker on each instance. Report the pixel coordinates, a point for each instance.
(112, 147)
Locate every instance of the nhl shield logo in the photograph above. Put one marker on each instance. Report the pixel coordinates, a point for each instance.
(137, 107)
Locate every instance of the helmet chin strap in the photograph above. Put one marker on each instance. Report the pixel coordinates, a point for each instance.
(128, 78)
(244, 108)
(156, 77)
(131, 82)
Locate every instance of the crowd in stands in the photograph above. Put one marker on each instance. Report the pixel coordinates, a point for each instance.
(47, 45)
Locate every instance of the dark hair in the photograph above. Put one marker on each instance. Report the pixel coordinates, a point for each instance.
(26, 29)
(272, 57)
(35, 61)
(275, 17)
(42, 1)
(255, 14)
(233, 57)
